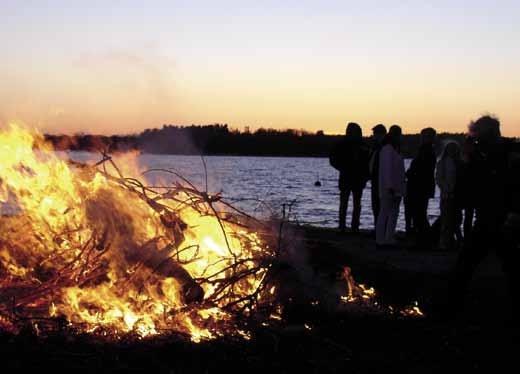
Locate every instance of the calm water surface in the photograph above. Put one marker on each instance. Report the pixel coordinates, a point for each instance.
(273, 180)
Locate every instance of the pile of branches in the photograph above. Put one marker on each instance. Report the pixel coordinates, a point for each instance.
(21, 298)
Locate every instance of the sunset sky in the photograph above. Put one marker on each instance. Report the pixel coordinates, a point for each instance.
(122, 66)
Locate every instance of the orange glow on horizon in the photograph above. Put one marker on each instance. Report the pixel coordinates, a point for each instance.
(120, 68)
(126, 101)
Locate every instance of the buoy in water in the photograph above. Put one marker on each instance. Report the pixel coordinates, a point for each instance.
(318, 182)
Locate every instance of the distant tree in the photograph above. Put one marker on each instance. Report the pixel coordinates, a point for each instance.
(218, 139)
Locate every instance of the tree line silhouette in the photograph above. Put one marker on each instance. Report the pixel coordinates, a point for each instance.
(219, 139)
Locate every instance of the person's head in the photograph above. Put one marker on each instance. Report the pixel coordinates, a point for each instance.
(394, 136)
(472, 133)
(486, 128)
(428, 136)
(452, 150)
(354, 131)
(379, 133)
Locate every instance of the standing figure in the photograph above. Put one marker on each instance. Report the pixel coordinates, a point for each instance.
(378, 137)
(495, 210)
(448, 169)
(350, 158)
(420, 188)
(392, 187)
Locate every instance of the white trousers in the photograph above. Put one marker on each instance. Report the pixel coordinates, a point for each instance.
(387, 220)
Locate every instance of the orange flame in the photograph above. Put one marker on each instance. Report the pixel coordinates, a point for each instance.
(76, 244)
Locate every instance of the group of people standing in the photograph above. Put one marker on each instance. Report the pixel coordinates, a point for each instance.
(383, 165)
(457, 173)
(479, 183)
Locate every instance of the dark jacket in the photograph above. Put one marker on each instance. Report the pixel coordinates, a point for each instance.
(465, 191)
(350, 158)
(421, 174)
(374, 166)
(493, 183)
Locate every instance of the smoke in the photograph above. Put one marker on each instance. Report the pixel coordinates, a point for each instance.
(302, 284)
(146, 70)
(120, 90)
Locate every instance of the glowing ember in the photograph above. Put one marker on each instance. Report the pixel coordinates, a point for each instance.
(360, 293)
(413, 311)
(97, 247)
(356, 291)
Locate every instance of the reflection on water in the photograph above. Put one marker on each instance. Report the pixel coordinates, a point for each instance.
(273, 180)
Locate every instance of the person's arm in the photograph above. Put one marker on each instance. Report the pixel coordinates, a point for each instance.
(371, 162)
(334, 157)
(439, 175)
(366, 165)
(411, 170)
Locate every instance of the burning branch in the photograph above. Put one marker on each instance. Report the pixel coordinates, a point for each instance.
(107, 250)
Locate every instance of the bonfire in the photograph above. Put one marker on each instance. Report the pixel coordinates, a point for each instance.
(96, 247)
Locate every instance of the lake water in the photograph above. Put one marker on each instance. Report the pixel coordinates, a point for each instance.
(275, 181)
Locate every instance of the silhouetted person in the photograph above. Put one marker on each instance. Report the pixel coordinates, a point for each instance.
(378, 137)
(392, 186)
(420, 188)
(447, 175)
(493, 209)
(465, 189)
(350, 158)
